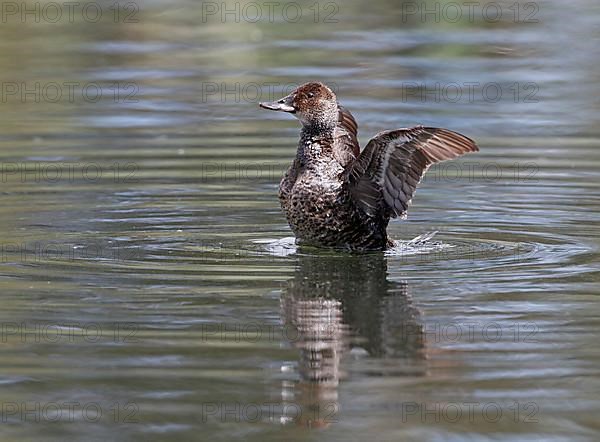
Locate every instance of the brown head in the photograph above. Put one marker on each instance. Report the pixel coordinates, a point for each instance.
(314, 104)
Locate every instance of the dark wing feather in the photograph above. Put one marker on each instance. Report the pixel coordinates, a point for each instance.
(385, 176)
(347, 131)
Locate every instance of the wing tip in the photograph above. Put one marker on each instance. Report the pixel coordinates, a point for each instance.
(467, 145)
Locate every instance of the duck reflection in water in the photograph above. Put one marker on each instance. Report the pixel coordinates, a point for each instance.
(338, 309)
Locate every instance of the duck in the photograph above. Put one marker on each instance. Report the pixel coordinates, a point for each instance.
(336, 196)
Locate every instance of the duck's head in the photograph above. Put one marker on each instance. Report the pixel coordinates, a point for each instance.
(314, 104)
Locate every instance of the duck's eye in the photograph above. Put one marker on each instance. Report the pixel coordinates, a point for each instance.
(310, 94)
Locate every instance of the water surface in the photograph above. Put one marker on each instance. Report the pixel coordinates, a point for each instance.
(150, 289)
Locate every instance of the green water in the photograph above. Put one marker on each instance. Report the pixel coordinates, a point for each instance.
(149, 287)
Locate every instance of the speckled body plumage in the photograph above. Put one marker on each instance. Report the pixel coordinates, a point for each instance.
(315, 196)
(333, 194)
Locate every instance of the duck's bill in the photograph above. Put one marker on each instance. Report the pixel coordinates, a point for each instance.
(279, 105)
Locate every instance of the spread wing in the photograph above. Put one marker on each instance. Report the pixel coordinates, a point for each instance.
(385, 176)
